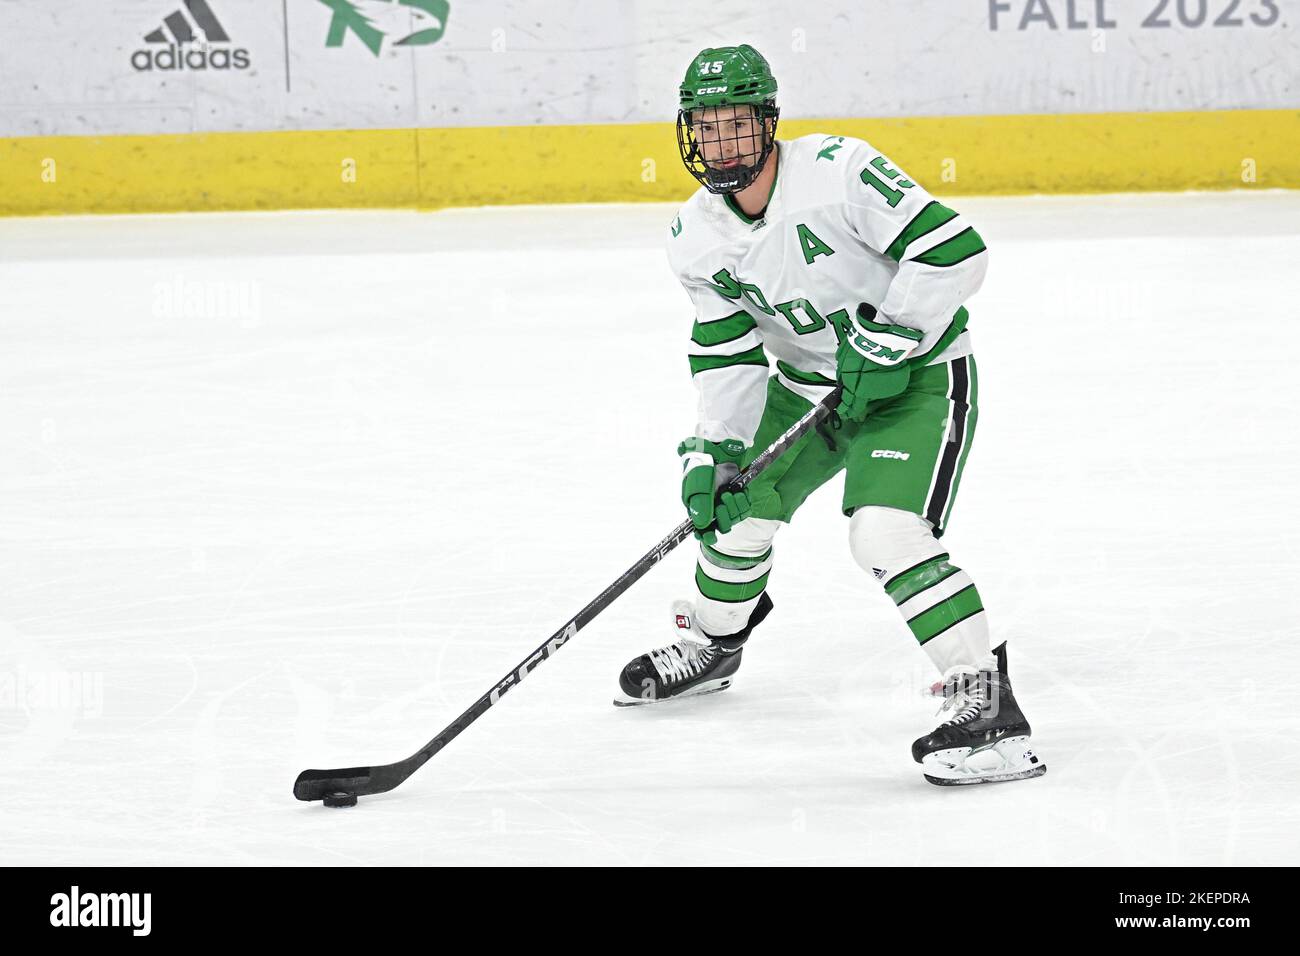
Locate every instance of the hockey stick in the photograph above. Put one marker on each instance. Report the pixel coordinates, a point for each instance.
(340, 788)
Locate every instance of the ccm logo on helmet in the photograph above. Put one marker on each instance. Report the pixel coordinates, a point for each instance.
(887, 453)
(710, 89)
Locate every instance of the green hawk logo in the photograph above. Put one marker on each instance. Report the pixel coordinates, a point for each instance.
(829, 148)
(349, 18)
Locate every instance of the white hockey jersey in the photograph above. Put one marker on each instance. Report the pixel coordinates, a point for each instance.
(843, 225)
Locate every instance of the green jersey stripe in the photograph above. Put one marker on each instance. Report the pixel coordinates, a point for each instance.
(703, 363)
(945, 614)
(934, 215)
(720, 331)
(731, 561)
(726, 590)
(803, 378)
(959, 248)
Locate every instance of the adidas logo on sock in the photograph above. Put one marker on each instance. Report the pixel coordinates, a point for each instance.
(176, 45)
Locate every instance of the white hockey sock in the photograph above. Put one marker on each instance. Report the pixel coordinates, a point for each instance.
(731, 575)
(938, 600)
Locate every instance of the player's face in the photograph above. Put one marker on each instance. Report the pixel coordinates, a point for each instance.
(728, 136)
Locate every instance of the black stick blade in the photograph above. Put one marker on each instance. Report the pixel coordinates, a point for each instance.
(359, 781)
(318, 784)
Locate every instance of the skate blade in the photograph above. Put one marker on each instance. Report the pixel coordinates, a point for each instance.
(967, 780)
(641, 701)
(1005, 761)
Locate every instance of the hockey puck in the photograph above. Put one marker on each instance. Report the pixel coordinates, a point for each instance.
(340, 799)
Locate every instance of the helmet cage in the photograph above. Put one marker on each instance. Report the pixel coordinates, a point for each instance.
(716, 178)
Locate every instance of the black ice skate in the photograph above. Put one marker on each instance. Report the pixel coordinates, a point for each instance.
(987, 739)
(695, 664)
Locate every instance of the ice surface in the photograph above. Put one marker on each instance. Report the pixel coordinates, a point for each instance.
(292, 490)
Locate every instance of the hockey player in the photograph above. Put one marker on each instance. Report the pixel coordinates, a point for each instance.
(820, 256)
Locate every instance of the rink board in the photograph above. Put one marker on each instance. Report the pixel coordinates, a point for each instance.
(437, 168)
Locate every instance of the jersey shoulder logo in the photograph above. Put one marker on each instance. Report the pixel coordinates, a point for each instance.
(829, 145)
(676, 227)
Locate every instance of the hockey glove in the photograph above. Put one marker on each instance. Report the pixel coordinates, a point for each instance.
(871, 361)
(706, 467)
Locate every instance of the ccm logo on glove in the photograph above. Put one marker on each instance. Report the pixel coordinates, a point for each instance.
(880, 343)
(871, 360)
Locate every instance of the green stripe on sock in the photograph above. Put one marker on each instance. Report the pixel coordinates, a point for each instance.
(929, 219)
(803, 378)
(945, 614)
(927, 577)
(702, 363)
(726, 591)
(900, 580)
(721, 331)
(957, 249)
(730, 561)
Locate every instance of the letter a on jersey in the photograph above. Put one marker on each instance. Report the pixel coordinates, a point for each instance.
(812, 246)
